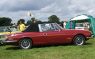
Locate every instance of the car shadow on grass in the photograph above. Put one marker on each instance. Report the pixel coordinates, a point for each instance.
(88, 43)
(40, 46)
(13, 48)
(2, 45)
(45, 46)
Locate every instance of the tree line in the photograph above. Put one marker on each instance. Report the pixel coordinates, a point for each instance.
(5, 21)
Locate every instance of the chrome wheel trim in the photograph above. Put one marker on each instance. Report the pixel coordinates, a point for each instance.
(79, 40)
(25, 43)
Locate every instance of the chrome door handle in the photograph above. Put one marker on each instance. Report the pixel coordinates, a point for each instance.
(45, 34)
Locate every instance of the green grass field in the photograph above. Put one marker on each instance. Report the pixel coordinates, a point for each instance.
(50, 52)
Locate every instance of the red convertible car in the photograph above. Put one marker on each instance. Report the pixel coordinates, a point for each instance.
(47, 34)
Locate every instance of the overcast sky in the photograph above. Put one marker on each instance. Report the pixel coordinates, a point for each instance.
(42, 9)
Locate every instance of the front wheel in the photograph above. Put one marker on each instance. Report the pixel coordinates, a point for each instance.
(25, 43)
(79, 40)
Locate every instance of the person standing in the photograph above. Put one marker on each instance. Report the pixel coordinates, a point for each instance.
(33, 27)
(21, 25)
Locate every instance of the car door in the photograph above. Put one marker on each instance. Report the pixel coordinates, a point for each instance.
(55, 37)
(54, 34)
(45, 32)
(39, 38)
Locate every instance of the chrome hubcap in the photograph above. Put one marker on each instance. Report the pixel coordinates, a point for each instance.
(25, 43)
(79, 40)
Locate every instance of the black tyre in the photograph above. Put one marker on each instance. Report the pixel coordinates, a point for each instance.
(25, 43)
(1, 42)
(79, 40)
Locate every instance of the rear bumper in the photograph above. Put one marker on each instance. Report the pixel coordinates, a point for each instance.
(89, 38)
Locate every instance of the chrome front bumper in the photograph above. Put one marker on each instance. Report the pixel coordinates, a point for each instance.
(7, 41)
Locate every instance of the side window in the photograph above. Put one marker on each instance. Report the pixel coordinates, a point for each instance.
(46, 27)
(56, 26)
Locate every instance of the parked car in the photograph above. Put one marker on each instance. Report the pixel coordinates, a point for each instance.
(47, 34)
(6, 30)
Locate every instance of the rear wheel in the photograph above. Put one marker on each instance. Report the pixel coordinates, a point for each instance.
(79, 40)
(25, 43)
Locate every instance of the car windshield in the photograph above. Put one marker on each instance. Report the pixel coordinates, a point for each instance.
(13, 29)
(7, 29)
(4, 29)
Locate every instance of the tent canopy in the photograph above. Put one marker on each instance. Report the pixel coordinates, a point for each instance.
(80, 17)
